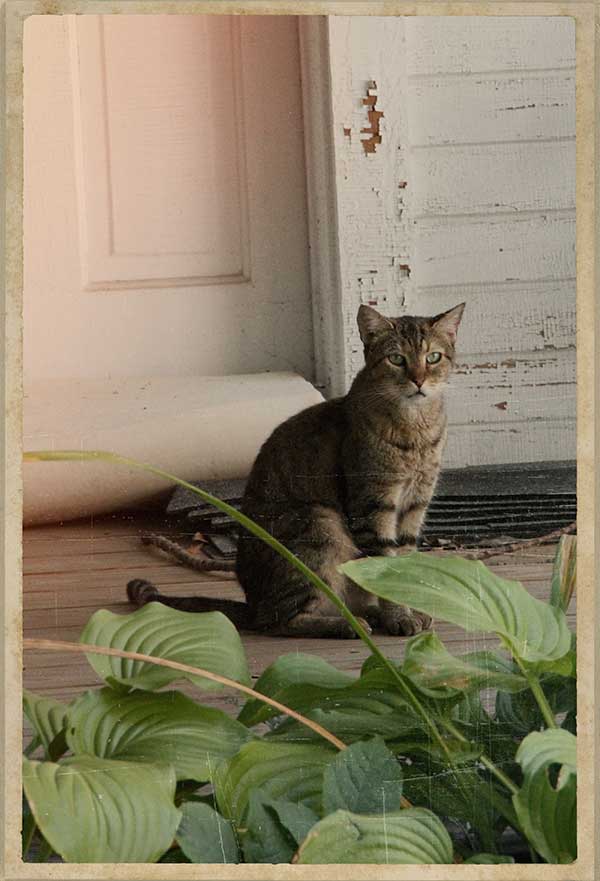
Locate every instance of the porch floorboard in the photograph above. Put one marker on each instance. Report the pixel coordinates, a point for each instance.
(72, 570)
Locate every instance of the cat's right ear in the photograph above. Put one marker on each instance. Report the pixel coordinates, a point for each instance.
(371, 323)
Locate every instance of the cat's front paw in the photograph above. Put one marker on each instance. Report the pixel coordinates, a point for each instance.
(407, 622)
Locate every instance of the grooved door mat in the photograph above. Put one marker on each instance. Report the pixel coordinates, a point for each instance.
(472, 506)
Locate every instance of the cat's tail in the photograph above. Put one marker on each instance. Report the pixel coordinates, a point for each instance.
(140, 592)
(182, 556)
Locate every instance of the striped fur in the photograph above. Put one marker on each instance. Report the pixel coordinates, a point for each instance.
(345, 478)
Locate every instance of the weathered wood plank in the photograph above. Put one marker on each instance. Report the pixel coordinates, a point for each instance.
(494, 179)
(480, 251)
(507, 316)
(63, 547)
(524, 441)
(505, 388)
(83, 581)
(492, 108)
(472, 44)
(92, 561)
(93, 529)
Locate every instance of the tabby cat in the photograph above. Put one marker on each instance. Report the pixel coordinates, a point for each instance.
(343, 479)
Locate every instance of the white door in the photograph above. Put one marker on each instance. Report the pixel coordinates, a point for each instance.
(165, 203)
(454, 142)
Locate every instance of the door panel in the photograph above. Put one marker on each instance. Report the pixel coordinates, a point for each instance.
(165, 197)
(162, 153)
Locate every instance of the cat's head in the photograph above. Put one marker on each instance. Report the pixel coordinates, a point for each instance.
(409, 358)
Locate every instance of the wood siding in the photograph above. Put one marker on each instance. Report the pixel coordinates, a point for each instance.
(470, 195)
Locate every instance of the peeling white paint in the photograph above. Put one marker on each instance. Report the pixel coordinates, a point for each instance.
(469, 196)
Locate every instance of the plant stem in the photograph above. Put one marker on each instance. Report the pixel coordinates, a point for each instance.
(483, 758)
(45, 852)
(538, 692)
(259, 532)
(32, 745)
(499, 774)
(29, 827)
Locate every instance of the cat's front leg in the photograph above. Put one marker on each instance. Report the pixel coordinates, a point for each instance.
(379, 531)
(372, 511)
(373, 519)
(395, 618)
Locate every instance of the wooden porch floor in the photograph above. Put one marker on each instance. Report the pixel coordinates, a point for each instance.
(72, 570)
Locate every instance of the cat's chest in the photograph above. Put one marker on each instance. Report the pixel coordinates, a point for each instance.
(414, 465)
(408, 457)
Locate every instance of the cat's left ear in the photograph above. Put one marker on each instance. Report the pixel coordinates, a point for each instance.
(448, 321)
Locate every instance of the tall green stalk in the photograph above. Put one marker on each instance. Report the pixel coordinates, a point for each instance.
(485, 760)
(29, 827)
(538, 692)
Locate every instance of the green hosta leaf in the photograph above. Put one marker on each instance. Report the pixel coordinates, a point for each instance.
(547, 807)
(94, 810)
(565, 666)
(420, 748)
(371, 705)
(521, 712)
(349, 723)
(543, 748)
(365, 778)
(292, 771)
(434, 785)
(207, 640)
(413, 836)
(468, 594)
(498, 741)
(206, 837)
(165, 727)
(274, 828)
(294, 680)
(439, 674)
(297, 818)
(564, 572)
(484, 859)
(470, 710)
(48, 718)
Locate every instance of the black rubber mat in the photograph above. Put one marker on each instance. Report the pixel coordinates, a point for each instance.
(471, 505)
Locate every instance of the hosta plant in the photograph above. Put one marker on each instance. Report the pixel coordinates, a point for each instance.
(437, 759)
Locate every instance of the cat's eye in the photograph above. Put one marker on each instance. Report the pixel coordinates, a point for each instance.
(434, 357)
(397, 360)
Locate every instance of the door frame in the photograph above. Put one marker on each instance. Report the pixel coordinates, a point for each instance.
(323, 222)
(358, 253)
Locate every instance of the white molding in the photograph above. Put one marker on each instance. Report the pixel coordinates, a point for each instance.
(360, 235)
(373, 180)
(326, 282)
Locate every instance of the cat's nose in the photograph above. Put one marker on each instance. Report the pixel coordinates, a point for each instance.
(418, 381)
